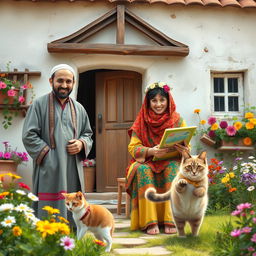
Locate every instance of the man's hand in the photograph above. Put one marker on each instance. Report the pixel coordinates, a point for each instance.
(74, 147)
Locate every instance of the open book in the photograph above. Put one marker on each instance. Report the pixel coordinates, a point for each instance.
(173, 136)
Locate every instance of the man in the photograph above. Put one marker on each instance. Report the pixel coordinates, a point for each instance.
(57, 135)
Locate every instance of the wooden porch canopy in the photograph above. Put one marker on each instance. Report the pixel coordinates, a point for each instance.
(75, 43)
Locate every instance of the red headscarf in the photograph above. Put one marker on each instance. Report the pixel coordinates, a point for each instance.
(150, 127)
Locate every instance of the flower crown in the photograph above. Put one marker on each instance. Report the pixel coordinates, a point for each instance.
(162, 85)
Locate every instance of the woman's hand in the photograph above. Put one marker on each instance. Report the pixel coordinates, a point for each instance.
(180, 148)
(157, 152)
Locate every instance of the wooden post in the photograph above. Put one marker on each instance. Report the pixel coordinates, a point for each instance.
(120, 26)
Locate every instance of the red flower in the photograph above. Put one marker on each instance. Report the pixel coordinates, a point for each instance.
(166, 88)
(23, 185)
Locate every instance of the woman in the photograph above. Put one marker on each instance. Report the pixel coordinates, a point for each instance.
(157, 113)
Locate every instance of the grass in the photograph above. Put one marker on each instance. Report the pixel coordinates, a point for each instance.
(203, 245)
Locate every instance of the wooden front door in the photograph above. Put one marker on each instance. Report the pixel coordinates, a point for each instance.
(118, 100)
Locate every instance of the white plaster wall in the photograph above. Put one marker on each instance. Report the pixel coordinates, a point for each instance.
(220, 39)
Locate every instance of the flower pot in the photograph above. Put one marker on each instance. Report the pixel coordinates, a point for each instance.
(89, 178)
(207, 140)
(231, 145)
(7, 166)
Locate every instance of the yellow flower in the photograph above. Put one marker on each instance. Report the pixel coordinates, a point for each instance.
(203, 122)
(249, 115)
(197, 111)
(46, 228)
(249, 126)
(99, 242)
(6, 193)
(11, 175)
(231, 175)
(225, 180)
(214, 127)
(62, 219)
(238, 125)
(51, 210)
(247, 141)
(253, 120)
(63, 228)
(16, 231)
(152, 86)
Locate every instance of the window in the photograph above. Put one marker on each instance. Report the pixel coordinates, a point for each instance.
(227, 93)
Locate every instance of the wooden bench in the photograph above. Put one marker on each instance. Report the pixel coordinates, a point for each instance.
(121, 187)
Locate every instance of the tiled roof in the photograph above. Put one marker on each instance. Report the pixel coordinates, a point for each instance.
(221, 3)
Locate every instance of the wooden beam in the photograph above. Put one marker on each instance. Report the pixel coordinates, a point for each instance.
(120, 25)
(118, 49)
(30, 73)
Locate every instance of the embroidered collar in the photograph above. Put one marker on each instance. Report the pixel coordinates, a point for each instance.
(194, 183)
(87, 211)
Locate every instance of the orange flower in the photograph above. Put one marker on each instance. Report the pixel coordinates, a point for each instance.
(99, 242)
(232, 190)
(214, 127)
(197, 111)
(249, 115)
(247, 141)
(249, 126)
(203, 122)
(16, 231)
(238, 125)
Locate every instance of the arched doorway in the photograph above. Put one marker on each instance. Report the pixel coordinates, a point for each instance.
(112, 99)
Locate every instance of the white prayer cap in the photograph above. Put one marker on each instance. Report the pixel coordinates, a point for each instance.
(62, 66)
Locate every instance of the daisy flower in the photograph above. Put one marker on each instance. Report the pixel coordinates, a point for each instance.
(6, 207)
(67, 242)
(32, 197)
(8, 221)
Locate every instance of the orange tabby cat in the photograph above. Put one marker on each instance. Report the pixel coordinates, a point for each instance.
(188, 193)
(94, 218)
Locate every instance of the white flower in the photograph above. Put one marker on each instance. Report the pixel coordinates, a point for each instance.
(8, 221)
(235, 167)
(251, 157)
(251, 188)
(22, 208)
(254, 160)
(246, 170)
(243, 164)
(6, 207)
(21, 192)
(32, 197)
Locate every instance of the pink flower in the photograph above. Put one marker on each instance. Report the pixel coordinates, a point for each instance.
(212, 120)
(252, 212)
(223, 124)
(67, 242)
(254, 220)
(2, 85)
(250, 249)
(24, 86)
(211, 133)
(246, 230)
(244, 206)
(166, 88)
(254, 254)
(11, 93)
(236, 232)
(236, 212)
(1, 154)
(21, 99)
(230, 130)
(253, 239)
(7, 155)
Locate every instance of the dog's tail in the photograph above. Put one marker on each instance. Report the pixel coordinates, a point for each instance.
(151, 195)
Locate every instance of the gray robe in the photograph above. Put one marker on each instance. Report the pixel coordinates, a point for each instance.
(45, 136)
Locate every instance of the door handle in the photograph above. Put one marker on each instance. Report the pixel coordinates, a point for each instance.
(99, 123)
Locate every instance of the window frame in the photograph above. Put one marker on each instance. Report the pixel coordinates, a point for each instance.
(226, 94)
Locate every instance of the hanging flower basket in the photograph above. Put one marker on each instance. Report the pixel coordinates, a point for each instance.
(207, 140)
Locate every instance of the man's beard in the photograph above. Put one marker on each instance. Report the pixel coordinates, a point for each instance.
(61, 95)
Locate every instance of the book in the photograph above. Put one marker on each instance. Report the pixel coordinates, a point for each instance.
(173, 136)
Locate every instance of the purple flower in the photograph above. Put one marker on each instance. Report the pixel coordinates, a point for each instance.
(211, 133)
(246, 230)
(253, 239)
(212, 120)
(238, 159)
(236, 232)
(231, 130)
(223, 124)
(67, 242)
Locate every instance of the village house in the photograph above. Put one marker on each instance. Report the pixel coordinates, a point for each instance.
(119, 47)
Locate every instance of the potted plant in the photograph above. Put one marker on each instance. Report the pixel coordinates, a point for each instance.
(89, 174)
(230, 132)
(9, 161)
(12, 96)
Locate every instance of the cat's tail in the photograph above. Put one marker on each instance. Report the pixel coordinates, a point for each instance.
(151, 195)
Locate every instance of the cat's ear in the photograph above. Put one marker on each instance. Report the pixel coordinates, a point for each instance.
(202, 156)
(79, 195)
(186, 155)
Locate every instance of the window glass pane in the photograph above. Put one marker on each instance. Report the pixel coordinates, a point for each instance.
(219, 103)
(218, 84)
(232, 85)
(233, 104)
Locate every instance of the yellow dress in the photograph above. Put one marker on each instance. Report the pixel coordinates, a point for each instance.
(140, 177)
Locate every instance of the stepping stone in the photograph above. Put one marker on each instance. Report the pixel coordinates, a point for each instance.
(122, 225)
(129, 242)
(121, 234)
(158, 250)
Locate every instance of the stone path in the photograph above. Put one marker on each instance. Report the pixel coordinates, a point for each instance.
(130, 245)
